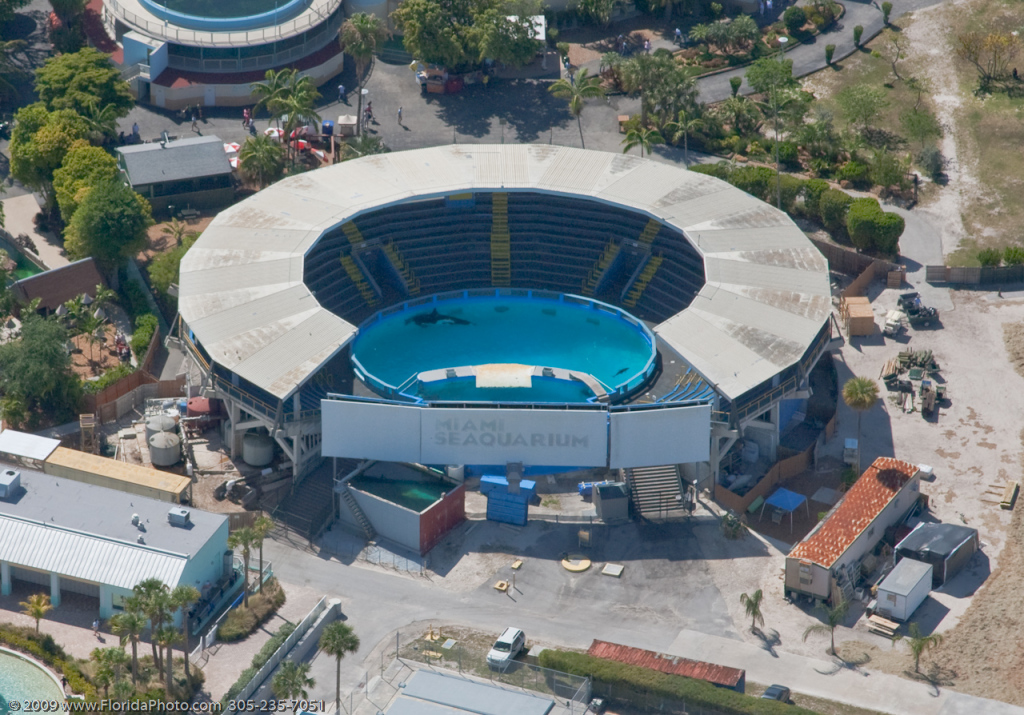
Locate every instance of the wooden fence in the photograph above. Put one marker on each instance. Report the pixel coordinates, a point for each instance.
(782, 470)
(844, 260)
(975, 275)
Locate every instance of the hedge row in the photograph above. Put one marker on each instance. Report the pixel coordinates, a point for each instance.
(43, 647)
(259, 660)
(145, 326)
(632, 681)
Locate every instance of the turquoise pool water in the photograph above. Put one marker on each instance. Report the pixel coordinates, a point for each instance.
(21, 680)
(413, 495)
(25, 267)
(544, 332)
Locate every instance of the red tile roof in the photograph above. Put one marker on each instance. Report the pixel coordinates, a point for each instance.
(717, 674)
(877, 486)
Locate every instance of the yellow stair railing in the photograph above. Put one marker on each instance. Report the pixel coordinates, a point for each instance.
(357, 277)
(501, 250)
(650, 231)
(412, 282)
(355, 237)
(599, 268)
(642, 280)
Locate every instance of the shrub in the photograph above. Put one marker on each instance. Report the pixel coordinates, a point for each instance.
(832, 207)
(632, 682)
(858, 32)
(990, 256)
(872, 229)
(563, 49)
(813, 189)
(133, 297)
(1013, 256)
(43, 647)
(721, 170)
(243, 621)
(109, 378)
(757, 181)
(816, 18)
(888, 169)
(259, 660)
(886, 11)
(790, 187)
(734, 84)
(145, 326)
(789, 153)
(795, 18)
(930, 159)
(856, 173)
(830, 50)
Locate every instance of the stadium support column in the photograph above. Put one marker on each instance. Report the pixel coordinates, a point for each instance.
(720, 431)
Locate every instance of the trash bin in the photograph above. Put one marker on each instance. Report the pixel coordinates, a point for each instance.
(327, 128)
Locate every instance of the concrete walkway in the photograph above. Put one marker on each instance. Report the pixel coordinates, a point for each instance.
(19, 212)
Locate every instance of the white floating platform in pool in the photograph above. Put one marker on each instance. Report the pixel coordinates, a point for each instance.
(504, 375)
(613, 570)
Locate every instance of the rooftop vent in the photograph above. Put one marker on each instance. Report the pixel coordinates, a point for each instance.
(135, 519)
(10, 482)
(142, 540)
(178, 516)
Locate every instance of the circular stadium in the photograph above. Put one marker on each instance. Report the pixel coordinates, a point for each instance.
(179, 53)
(487, 305)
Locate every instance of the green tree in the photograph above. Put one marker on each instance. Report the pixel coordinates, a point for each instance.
(338, 640)
(918, 642)
(860, 103)
(886, 11)
(741, 114)
(642, 137)
(643, 75)
(262, 528)
(503, 37)
(261, 159)
(39, 141)
(743, 32)
(360, 37)
(9, 71)
(68, 10)
(35, 375)
(599, 11)
(834, 617)
(362, 145)
(83, 167)
(154, 599)
(291, 680)
(81, 81)
(682, 127)
(860, 394)
(752, 605)
(9, 7)
(435, 32)
(870, 228)
(273, 87)
(102, 122)
(832, 207)
(888, 169)
(795, 18)
(297, 107)
(109, 664)
(109, 225)
(920, 125)
(129, 625)
(166, 637)
(165, 269)
(580, 88)
(182, 598)
(36, 607)
(1014, 255)
(245, 539)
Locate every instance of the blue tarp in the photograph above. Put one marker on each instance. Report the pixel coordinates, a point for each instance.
(785, 500)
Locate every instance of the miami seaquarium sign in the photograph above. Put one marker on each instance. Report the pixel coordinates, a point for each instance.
(548, 437)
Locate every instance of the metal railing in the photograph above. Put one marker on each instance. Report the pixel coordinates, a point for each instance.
(139, 69)
(318, 12)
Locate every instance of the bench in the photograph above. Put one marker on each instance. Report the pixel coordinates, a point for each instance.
(188, 214)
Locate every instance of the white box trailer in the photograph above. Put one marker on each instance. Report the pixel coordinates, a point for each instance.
(904, 589)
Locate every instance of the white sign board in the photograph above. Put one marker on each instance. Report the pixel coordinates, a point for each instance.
(552, 438)
(367, 430)
(670, 435)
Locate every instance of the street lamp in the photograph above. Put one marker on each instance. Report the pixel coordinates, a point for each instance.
(775, 106)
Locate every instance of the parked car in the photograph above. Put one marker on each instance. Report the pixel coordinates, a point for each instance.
(776, 692)
(509, 644)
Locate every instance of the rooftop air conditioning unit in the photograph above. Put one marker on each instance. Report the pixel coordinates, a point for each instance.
(178, 516)
(10, 482)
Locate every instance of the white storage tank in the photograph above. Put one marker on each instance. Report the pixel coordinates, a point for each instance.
(164, 449)
(257, 449)
(159, 423)
(456, 472)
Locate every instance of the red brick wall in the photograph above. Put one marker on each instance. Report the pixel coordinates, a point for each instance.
(441, 518)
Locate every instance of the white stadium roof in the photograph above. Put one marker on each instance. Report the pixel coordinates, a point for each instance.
(766, 297)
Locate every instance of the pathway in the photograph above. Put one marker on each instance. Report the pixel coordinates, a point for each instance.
(19, 212)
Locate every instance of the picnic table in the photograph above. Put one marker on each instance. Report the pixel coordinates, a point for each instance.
(189, 214)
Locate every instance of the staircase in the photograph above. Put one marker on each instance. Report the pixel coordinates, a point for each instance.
(308, 507)
(357, 277)
(845, 583)
(358, 513)
(642, 280)
(656, 491)
(501, 252)
(355, 236)
(650, 231)
(599, 269)
(412, 283)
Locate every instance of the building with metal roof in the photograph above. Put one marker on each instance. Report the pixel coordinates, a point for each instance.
(734, 292)
(828, 557)
(429, 692)
(79, 538)
(181, 172)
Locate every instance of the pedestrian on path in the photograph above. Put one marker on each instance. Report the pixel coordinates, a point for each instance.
(245, 118)
(195, 125)
(342, 94)
(96, 628)
(135, 132)
(399, 115)
(647, 46)
(679, 37)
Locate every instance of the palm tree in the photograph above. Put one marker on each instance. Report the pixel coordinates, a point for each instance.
(165, 637)
(273, 87)
(338, 639)
(640, 74)
(360, 36)
(642, 137)
(860, 394)
(104, 672)
(834, 617)
(682, 127)
(296, 105)
(36, 607)
(262, 159)
(752, 604)
(176, 230)
(245, 539)
(182, 597)
(9, 70)
(291, 681)
(363, 145)
(154, 600)
(262, 527)
(102, 121)
(129, 625)
(576, 90)
(917, 642)
(741, 113)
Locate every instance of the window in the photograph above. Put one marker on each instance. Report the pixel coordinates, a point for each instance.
(890, 597)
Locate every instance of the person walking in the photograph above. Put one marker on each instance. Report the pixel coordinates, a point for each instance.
(399, 115)
(342, 94)
(96, 628)
(679, 37)
(195, 123)
(135, 132)
(245, 118)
